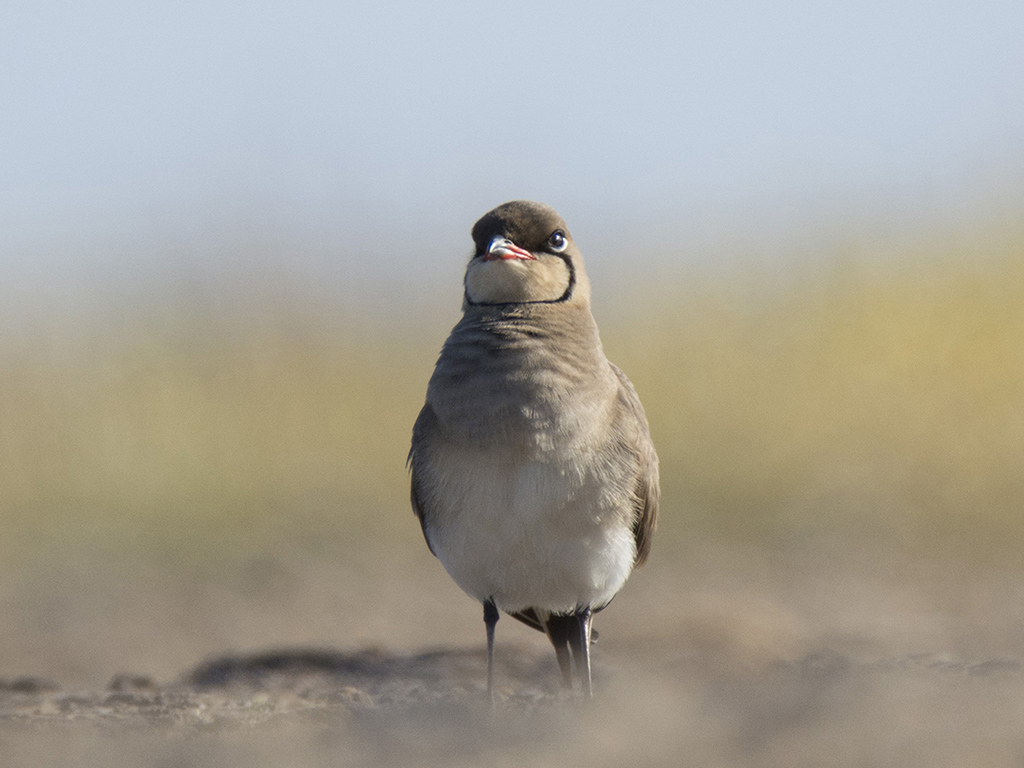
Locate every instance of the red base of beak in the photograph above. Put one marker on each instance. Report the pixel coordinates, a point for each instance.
(507, 253)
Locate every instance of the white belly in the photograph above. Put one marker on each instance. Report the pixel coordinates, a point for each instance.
(548, 534)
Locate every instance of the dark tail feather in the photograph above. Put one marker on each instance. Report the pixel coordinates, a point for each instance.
(530, 618)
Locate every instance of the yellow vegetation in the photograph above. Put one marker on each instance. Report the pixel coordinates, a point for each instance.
(878, 395)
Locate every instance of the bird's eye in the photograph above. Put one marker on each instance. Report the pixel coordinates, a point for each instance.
(558, 242)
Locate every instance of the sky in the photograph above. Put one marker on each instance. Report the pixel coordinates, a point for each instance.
(374, 134)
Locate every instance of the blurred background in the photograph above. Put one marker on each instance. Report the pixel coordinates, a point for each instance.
(231, 244)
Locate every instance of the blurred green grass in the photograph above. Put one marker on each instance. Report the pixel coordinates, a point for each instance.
(876, 395)
(178, 425)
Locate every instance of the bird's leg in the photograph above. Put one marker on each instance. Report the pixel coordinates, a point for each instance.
(580, 642)
(490, 621)
(564, 664)
(561, 629)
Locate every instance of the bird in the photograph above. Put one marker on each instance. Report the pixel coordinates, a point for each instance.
(533, 472)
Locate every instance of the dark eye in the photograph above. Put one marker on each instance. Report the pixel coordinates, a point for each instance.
(558, 242)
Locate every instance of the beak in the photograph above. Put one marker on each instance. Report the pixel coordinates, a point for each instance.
(505, 249)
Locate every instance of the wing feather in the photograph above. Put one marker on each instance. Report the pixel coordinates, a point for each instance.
(425, 425)
(636, 435)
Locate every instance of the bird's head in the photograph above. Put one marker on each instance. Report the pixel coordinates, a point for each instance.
(524, 255)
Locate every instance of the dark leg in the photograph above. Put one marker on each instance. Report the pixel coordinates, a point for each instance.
(580, 643)
(561, 631)
(490, 620)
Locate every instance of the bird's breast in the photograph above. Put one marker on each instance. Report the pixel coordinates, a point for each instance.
(527, 392)
(529, 490)
(550, 534)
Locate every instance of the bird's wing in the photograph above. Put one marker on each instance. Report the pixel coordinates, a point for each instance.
(530, 618)
(426, 423)
(636, 434)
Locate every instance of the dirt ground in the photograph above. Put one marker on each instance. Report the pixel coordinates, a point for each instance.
(712, 657)
(373, 708)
